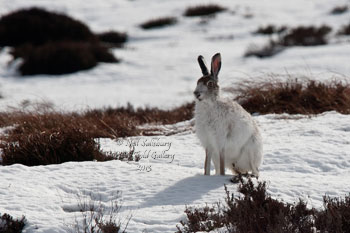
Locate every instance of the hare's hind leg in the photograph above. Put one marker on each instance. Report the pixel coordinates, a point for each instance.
(207, 162)
(222, 162)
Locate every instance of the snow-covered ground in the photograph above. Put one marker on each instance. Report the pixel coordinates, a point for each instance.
(303, 157)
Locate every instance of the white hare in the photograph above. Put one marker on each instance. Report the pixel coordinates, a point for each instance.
(228, 133)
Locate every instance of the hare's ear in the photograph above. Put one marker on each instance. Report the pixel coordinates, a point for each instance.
(215, 65)
(203, 65)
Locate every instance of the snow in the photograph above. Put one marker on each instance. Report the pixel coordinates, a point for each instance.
(304, 157)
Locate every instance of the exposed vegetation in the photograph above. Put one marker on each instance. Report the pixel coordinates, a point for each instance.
(294, 96)
(299, 36)
(267, 50)
(256, 211)
(50, 137)
(113, 38)
(37, 26)
(61, 57)
(345, 30)
(270, 29)
(203, 10)
(98, 218)
(53, 43)
(339, 10)
(160, 22)
(9, 225)
(306, 36)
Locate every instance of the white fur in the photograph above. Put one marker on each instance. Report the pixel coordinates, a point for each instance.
(225, 129)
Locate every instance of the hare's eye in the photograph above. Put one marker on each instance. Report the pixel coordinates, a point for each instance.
(210, 84)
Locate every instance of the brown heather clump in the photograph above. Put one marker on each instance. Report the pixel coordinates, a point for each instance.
(159, 22)
(254, 210)
(294, 96)
(345, 30)
(38, 26)
(54, 43)
(113, 38)
(339, 10)
(50, 137)
(61, 57)
(9, 225)
(203, 10)
(298, 36)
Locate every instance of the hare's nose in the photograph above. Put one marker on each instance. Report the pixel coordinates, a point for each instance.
(196, 94)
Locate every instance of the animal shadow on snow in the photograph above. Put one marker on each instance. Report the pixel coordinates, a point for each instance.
(186, 191)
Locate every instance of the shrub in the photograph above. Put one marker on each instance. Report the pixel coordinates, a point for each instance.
(52, 43)
(267, 50)
(203, 10)
(294, 97)
(299, 36)
(61, 57)
(336, 215)
(94, 219)
(53, 137)
(345, 30)
(9, 225)
(270, 29)
(38, 26)
(113, 38)
(254, 210)
(157, 23)
(51, 147)
(305, 36)
(339, 10)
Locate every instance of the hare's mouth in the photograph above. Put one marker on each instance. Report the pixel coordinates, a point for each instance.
(197, 95)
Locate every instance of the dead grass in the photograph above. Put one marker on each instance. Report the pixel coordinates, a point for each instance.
(270, 29)
(256, 211)
(61, 57)
(52, 43)
(49, 137)
(98, 218)
(113, 38)
(9, 225)
(294, 96)
(345, 30)
(306, 36)
(268, 50)
(203, 10)
(159, 22)
(339, 10)
(299, 36)
(37, 26)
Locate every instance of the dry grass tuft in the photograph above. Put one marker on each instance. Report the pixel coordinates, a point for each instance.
(158, 23)
(61, 57)
(270, 29)
(256, 211)
(203, 10)
(299, 36)
(306, 36)
(267, 50)
(52, 43)
(50, 137)
(113, 38)
(294, 97)
(9, 225)
(345, 30)
(38, 26)
(339, 10)
(98, 218)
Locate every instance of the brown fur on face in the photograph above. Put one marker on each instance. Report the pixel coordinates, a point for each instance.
(205, 80)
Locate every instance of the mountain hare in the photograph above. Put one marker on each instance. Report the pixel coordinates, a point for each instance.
(228, 133)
